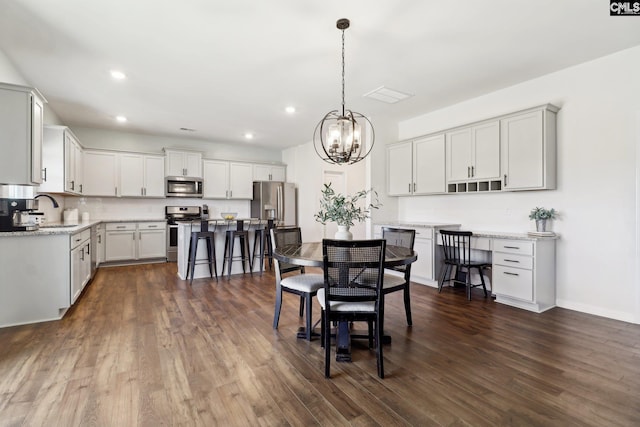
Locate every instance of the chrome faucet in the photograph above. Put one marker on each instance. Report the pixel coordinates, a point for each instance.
(55, 203)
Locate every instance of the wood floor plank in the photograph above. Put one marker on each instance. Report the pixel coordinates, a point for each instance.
(142, 347)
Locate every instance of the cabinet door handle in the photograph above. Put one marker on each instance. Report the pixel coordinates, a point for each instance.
(82, 255)
(511, 274)
(152, 226)
(473, 172)
(99, 238)
(121, 226)
(512, 247)
(73, 185)
(468, 171)
(88, 249)
(414, 187)
(409, 187)
(230, 193)
(115, 191)
(505, 179)
(81, 188)
(44, 174)
(512, 260)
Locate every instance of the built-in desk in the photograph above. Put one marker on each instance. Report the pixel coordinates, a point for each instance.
(523, 272)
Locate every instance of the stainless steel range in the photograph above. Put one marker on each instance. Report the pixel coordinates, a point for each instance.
(175, 214)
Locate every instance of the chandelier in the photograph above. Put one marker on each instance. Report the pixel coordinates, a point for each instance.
(338, 137)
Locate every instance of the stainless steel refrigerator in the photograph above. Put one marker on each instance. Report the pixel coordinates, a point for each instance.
(276, 201)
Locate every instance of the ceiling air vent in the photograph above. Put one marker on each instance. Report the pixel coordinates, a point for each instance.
(389, 96)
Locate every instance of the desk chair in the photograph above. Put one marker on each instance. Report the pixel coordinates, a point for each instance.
(302, 284)
(457, 253)
(353, 275)
(392, 283)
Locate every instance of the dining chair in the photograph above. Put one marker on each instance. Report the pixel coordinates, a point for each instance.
(296, 281)
(392, 282)
(456, 245)
(352, 291)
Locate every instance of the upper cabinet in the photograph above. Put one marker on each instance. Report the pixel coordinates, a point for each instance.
(141, 175)
(269, 173)
(513, 152)
(21, 123)
(417, 167)
(101, 177)
(227, 180)
(62, 159)
(474, 152)
(183, 163)
(529, 149)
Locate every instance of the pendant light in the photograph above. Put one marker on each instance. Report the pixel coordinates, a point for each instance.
(338, 138)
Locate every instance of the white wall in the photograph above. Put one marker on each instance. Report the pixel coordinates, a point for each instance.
(597, 178)
(128, 141)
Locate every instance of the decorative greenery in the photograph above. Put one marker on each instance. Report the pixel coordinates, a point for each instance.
(542, 213)
(344, 210)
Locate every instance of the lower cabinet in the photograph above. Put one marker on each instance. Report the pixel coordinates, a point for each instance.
(132, 241)
(80, 262)
(524, 273)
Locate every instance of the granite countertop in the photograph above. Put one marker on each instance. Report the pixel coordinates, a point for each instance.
(418, 224)
(56, 228)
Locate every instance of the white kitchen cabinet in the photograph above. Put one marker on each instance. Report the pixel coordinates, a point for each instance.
(523, 273)
(529, 149)
(62, 161)
(152, 240)
(132, 241)
(100, 241)
(80, 263)
(269, 173)
(183, 163)
(141, 175)
(422, 270)
(100, 173)
(120, 242)
(227, 180)
(417, 167)
(474, 152)
(21, 119)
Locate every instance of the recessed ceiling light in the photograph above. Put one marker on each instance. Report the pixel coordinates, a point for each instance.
(290, 109)
(248, 135)
(121, 119)
(118, 75)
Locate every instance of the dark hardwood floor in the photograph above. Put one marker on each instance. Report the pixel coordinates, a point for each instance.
(144, 348)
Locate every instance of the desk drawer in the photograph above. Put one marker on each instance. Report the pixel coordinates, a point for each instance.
(513, 260)
(425, 233)
(513, 282)
(522, 247)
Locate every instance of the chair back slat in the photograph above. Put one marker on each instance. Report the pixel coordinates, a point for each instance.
(456, 246)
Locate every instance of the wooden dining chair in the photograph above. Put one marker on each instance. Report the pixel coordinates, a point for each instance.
(352, 291)
(392, 282)
(293, 278)
(456, 246)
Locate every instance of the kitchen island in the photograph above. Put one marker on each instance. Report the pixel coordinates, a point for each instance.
(202, 270)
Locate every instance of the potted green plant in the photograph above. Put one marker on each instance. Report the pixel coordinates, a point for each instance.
(345, 211)
(541, 215)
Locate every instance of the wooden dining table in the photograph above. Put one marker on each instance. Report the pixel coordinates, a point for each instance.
(309, 254)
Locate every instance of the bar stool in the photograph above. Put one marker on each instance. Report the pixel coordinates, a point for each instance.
(209, 237)
(241, 233)
(260, 234)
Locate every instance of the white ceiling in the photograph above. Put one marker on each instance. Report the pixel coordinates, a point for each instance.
(228, 67)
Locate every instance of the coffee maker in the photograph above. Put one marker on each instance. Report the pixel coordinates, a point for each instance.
(16, 205)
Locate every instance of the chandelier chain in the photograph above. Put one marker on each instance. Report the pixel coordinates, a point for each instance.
(343, 72)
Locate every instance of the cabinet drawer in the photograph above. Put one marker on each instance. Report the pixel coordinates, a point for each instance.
(424, 233)
(78, 238)
(521, 247)
(513, 260)
(159, 225)
(121, 226)
(513, 282)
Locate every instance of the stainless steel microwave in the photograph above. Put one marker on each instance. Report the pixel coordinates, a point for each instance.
(183, 186)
